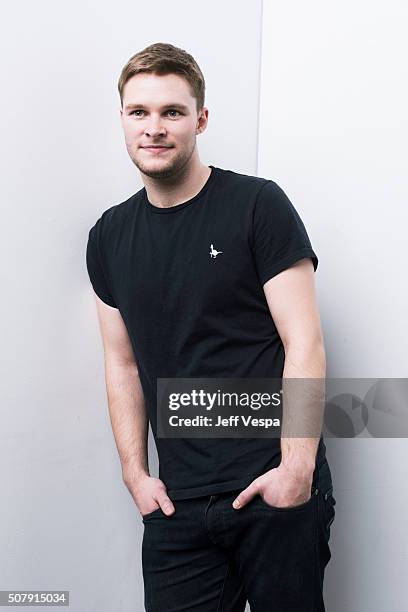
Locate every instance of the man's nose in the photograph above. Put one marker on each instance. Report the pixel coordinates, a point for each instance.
(155, 128)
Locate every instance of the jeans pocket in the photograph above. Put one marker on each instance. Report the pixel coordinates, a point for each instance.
(149, 514)
(302, 506)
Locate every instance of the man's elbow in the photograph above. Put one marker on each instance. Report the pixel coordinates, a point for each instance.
(306, 353)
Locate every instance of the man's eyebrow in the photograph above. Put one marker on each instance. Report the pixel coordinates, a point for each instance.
(141, 106)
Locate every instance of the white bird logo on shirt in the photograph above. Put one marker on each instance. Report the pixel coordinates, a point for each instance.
(214, 252)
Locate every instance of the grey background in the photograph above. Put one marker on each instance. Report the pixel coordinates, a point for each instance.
(333, 133)
(335, 146)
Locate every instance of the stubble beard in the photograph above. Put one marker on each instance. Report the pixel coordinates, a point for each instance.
(171, 168)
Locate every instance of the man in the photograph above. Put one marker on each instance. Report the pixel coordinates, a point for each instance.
(206, 272)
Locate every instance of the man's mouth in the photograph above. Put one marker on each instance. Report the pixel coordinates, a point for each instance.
(156, 148)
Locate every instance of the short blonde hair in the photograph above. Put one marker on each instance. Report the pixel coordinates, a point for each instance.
(163, 58)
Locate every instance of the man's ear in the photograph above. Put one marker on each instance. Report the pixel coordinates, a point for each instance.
(203, 120)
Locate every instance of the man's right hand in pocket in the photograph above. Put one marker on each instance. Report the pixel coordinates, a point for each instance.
(149, 494)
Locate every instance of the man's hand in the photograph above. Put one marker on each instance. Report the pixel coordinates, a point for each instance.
(281, 487)
(149, 494)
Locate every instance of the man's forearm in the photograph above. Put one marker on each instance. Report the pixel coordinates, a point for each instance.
(305, 412)
(128, 417)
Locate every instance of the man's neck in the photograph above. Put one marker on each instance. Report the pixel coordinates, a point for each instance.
(165, 193)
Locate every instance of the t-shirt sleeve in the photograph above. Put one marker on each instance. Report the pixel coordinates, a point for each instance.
(95, 268)
(279, 237)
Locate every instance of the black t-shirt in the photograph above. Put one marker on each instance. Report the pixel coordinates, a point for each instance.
(191, 312)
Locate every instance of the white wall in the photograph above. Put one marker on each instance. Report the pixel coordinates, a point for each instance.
(66, 519)
(333, 134)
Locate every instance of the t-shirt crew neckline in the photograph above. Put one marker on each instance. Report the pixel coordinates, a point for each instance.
(177, 207)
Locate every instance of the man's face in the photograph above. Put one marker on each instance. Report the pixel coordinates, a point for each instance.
(160, 123)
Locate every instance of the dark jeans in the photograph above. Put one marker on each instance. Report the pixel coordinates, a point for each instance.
(209, 557)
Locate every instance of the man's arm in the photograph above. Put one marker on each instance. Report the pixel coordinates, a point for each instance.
(291, 298)
(292, 302)
(127, 412)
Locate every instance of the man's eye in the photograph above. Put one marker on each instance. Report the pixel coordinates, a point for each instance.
(139, 110)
